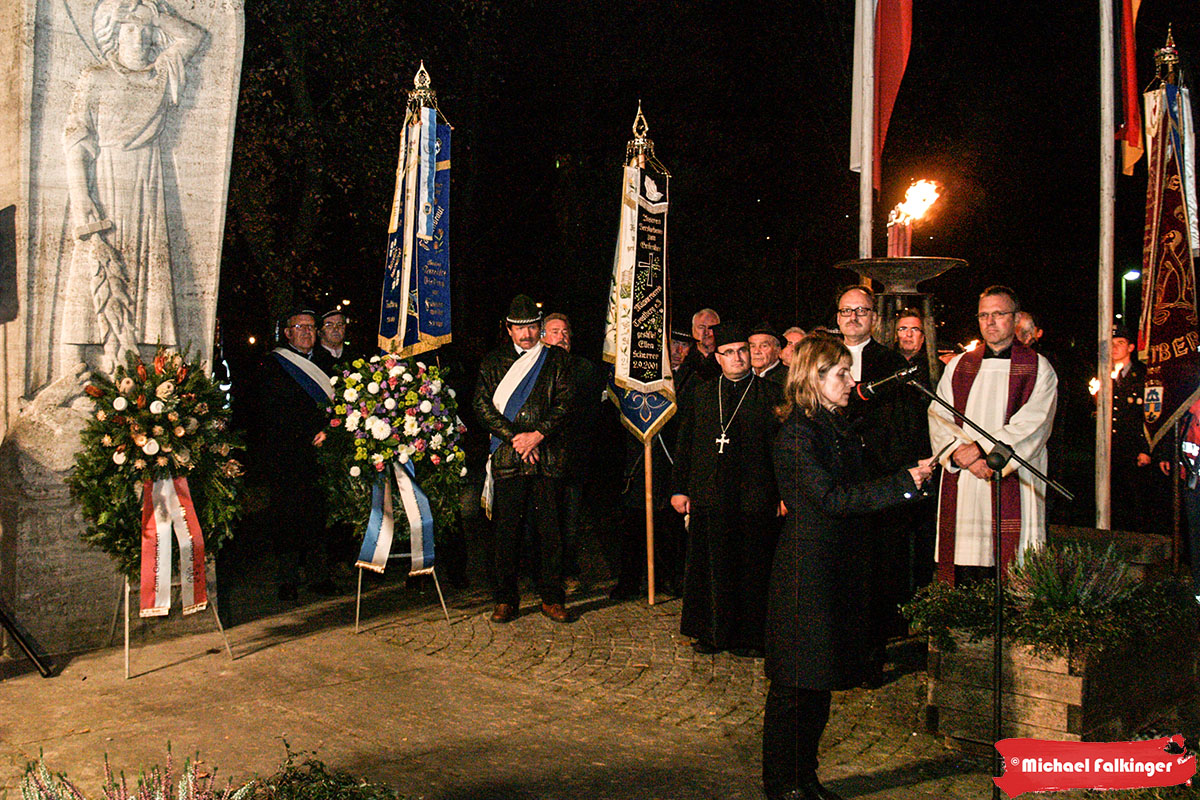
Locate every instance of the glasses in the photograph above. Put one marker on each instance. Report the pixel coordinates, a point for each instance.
(334, 325)
(303, 327)
(984, 316)
(907, 328)
(857, 311)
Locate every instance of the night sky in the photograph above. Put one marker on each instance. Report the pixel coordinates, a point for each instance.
(748, 106)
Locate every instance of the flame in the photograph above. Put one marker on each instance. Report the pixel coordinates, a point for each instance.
(917, 200)
(1094, 386)
(970, 346)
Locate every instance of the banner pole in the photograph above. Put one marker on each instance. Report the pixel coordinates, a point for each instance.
(649, 454)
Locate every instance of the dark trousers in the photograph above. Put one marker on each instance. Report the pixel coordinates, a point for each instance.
(512, 498)
(1191, 504)
(793, 722)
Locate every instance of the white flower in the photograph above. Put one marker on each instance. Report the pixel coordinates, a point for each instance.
(376, 458)
(373, 387)
(406, 377)
(403, 456)
(420, 365)
(463, 472)
(435, 441)
(389, 404)
(381, 430)
(425, 407)
(355, 471)
(435, 387)
(120, 404)
(350, 395)
(157, 407)
(352, 420)
(395, 371)
(165, 390)
(118, 458)
(150, 447)
(333, 379)
(451, 391)
(411, 427)
(356, 377)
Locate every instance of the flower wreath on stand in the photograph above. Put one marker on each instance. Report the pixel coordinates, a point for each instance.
(155, 462)
(393, 432)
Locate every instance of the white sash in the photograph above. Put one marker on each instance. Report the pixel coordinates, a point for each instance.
(504, 390)
(309, 368)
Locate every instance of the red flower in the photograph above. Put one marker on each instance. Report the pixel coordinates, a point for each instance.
(141, 370)
(159, 361)
(333, 423)
(141, 400)
(180, 375)
(93, 390)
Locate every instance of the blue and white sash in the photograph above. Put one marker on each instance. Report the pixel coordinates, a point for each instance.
(377, 542)
(310, 377)
(510, 395)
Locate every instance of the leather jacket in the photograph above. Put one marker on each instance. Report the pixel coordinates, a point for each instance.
(547, 410)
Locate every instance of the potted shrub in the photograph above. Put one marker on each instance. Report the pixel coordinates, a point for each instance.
(1090, 653)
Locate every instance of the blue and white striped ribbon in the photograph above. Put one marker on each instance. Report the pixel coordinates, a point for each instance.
(428, 172)
(377, 542)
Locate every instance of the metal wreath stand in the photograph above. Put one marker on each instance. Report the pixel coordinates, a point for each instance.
(123, 600)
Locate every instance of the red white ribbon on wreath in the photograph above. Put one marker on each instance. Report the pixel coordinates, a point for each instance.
(166, 508)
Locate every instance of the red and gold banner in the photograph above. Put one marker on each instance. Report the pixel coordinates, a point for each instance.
(1168, 337)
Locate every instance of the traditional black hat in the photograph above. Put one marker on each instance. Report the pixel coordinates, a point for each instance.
(764, 328)
(1120, 331)
(523, 311)
(729, 333)
(682, 336)
(333, 312)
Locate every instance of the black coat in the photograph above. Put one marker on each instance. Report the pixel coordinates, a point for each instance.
(817, 626)
(741, 479)
(547, 410)
(877, 419)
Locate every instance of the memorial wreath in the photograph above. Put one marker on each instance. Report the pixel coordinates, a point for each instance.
(392, 415)
(157, 457)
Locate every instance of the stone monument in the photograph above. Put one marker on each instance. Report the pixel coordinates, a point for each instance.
(116, 131)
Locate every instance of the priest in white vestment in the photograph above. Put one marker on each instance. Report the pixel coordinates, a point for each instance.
(1011, 391)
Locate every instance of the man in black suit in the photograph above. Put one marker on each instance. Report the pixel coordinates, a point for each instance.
(724, 480)
(877, 421)
(1135, 479)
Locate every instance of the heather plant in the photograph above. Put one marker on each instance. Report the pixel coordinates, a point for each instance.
(40, 784)
(1061, 599)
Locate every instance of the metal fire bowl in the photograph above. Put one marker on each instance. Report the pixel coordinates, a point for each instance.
(901, 274)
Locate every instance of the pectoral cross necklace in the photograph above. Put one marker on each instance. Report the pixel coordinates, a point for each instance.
(723, 439)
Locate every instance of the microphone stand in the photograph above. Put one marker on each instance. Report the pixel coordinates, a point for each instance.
(997, 460)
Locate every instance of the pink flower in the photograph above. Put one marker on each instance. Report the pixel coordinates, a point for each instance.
(333, 423)
(379, 467)
(436, 459)
(392, 382)
(412, 412)
(419, 445)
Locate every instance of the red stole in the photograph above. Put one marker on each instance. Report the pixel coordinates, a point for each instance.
(1022, 375)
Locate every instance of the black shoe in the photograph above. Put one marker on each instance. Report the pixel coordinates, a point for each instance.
(748, 652)
(288, 592)
(812, 789)
(704, 648)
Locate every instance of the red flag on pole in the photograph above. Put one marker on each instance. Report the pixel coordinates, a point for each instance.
(1129, 127)
(893, 40)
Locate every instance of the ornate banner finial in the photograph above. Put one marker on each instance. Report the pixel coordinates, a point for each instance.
(640, 144)
(1166, 60)
(422, 95)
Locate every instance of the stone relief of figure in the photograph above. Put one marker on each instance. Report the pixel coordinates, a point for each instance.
(120, 291)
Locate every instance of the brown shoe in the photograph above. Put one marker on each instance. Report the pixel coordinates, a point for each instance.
(556, 612)
(505, 612)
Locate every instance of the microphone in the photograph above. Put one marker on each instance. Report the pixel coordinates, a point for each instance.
(869, 390)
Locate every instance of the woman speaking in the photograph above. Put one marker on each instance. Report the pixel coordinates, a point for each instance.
(817, 627)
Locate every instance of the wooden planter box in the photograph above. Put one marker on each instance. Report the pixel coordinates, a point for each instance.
(1072, 698)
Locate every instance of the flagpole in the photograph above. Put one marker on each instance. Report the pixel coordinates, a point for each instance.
(866, 175)
(1108, 177)
(648, 450)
